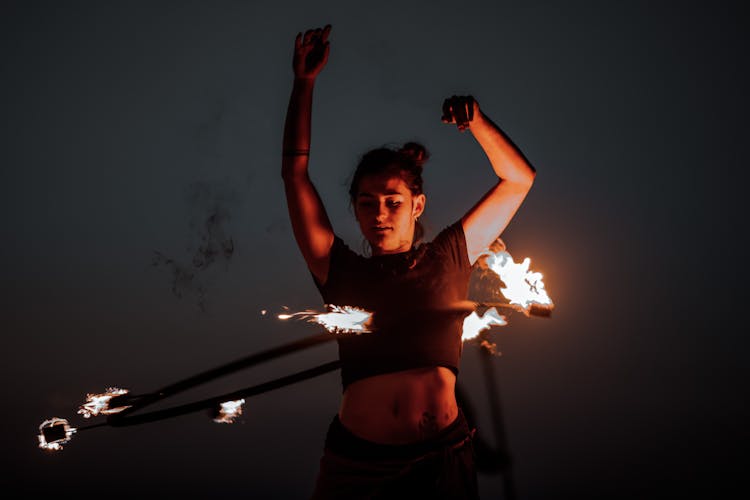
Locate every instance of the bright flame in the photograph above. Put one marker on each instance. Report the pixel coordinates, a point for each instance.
(338, 319)
(229, 411)
(99, 403)
(475, 324)
(525, 288)
(55, 444)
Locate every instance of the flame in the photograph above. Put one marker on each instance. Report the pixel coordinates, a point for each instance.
(475, 324)
(338, 319)
(524, 288)
(229, 411)
(55, 444)
(99, 403)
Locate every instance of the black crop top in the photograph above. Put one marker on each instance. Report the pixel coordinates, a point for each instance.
(409, 294)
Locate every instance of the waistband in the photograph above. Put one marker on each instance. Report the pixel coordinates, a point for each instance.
(342, 441)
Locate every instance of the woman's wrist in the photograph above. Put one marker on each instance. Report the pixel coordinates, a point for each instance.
(303, 80)
(479, 121)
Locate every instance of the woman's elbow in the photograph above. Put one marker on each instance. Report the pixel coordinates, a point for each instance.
(291, 173)
(521, 183)
(531, 177)
(293, 167)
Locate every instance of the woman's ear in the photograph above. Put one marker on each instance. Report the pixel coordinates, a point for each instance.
(418, 203)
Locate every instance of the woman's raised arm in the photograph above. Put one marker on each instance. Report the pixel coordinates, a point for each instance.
(484, 222)
(310, 223)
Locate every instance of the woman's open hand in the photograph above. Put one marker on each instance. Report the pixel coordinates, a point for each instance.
(460, 110)
(311, 52)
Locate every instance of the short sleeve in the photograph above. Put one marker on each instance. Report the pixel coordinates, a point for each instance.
(450, 244)
(342, 261)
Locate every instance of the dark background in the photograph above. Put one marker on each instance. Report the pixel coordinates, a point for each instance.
(126, 126)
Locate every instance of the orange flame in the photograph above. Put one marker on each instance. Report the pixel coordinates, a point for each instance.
(338, 319)
(524, 287)
(229, 411)
(99, 403)
(475, 324)
(55, 444)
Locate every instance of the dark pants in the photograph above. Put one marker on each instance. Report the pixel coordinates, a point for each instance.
(441, 467)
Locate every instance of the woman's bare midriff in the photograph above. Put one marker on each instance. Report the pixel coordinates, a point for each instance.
(400, 407)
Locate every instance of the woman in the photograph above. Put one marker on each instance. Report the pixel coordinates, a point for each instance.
(399, 429)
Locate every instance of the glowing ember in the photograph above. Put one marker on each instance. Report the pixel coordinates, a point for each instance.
(338, 319)
(99, 403)
(475, 324)
(229, 411)
(53, 433)
(524, 288)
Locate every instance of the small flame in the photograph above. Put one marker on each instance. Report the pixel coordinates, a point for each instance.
(60, 437)
(475, 324)
(99, 403)
(524, 288)
(490, 347)
(338, 319)
(229, 411)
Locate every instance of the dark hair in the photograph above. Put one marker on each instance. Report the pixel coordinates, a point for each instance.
(405, 162)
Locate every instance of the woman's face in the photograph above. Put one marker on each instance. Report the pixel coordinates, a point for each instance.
(386, 211)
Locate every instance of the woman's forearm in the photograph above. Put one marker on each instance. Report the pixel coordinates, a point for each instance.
(506, 159)
(297, 127)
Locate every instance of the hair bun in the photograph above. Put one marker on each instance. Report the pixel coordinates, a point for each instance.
(415, 152)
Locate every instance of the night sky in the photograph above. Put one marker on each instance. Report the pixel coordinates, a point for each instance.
(135, 136)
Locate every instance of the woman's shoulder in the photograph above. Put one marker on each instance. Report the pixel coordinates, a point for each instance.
(450, 243)
(343, 257)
